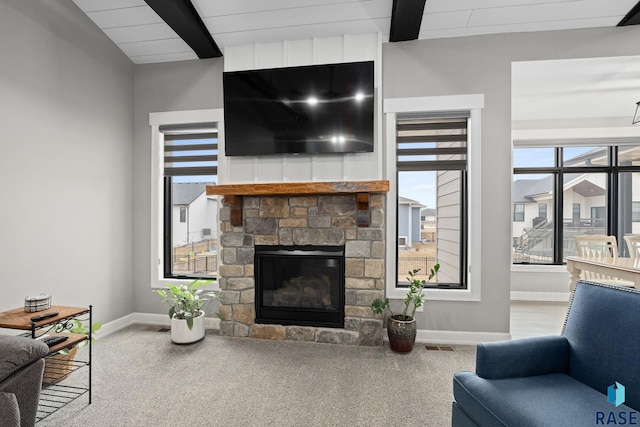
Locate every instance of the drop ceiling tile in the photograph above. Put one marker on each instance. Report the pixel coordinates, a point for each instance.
(155, 47)
(302, 32)
(208, 8)
(433, 6)
(165, 57)
(542, 12)
(138, 33)
(139, 15)
(98, 5)
(443, 20)
(518, 28)
(349, 12)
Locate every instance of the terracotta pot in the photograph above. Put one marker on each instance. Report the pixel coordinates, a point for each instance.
(180, 333)
(402, 333)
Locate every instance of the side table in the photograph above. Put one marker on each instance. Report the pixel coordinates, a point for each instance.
(58, 366)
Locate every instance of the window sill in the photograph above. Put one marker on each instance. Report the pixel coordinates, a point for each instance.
(433, 294)
(538, 268)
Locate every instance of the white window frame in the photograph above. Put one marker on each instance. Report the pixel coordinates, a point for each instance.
(157, 191)
(473, 103)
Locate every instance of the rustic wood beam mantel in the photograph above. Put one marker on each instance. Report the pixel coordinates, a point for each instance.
(287, 188)
(233, 194)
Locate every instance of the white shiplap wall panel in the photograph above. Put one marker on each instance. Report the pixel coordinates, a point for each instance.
(360, 47)
(269, 169)
(297, 169)
(270, 55)
(298, 52)
(328, 50)
(287, 168)
(240, 57)
(329, 167)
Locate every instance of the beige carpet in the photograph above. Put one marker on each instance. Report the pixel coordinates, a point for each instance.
(141, 379)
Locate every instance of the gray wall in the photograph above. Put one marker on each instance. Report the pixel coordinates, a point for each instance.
(66, 115)
(173, 86)
(482, 64)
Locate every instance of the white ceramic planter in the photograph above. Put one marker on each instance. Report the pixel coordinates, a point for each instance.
(180, 333)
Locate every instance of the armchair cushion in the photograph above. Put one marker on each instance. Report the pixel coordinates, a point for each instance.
(543, 400)
(522, 358)
(17, 352)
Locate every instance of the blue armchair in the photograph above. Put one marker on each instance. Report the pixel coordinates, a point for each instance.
(574, 379)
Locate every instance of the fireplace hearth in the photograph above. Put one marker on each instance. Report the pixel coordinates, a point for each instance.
(300, 285)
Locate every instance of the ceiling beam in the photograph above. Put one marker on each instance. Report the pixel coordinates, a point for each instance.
(632, 18)
(406, 18)
(183, 18)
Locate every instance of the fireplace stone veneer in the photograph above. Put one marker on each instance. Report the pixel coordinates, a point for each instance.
(317, 220)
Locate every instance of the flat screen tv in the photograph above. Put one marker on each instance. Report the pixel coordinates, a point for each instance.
(299, 110)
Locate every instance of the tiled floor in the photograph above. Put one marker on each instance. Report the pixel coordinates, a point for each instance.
(532, 318)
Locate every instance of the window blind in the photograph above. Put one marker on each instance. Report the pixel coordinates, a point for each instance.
(190, 151)
(431, 142)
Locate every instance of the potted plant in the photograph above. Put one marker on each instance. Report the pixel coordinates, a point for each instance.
(401, 328)
(185, 310)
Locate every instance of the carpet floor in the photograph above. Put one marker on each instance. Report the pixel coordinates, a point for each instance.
(141, 379)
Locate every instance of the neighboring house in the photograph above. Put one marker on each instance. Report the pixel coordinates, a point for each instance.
(409, 223)
(584, 210)
(428, 225)
(195, 215)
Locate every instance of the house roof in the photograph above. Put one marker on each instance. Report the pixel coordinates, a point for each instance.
(524, 190)
(411, 202)
(428, 212)
(184, 193)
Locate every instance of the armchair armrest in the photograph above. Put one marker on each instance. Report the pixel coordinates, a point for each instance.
(16, 352)
(522, 357)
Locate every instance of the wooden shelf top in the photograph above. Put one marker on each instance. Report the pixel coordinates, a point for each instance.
(20, 319)
(301, 188)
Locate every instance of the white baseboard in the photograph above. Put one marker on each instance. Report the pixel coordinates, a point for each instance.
(147, 319)
(456, 337)
(422, 336)
(540, 296)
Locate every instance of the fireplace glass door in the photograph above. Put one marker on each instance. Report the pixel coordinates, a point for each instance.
(300, 285)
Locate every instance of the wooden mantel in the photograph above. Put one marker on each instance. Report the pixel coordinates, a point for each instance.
(234, 194)
(288, 188)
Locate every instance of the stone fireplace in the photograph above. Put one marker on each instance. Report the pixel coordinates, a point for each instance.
(306, 223)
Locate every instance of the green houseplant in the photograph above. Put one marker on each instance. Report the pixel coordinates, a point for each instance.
(401, 327)
(186, 312)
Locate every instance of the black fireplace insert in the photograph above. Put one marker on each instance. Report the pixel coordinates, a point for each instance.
(300, 285)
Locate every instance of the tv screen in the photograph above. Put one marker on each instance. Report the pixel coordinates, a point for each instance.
(312, 109)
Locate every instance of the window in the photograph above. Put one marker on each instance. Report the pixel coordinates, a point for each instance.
(431, 164)
(518, 212)
(459, 277)
(190, 164)
(635, 211)
(590, 188)
(542, 211)
(575, 212)
(184, 153)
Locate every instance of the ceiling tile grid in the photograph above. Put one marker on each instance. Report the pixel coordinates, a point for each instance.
(145, 37)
